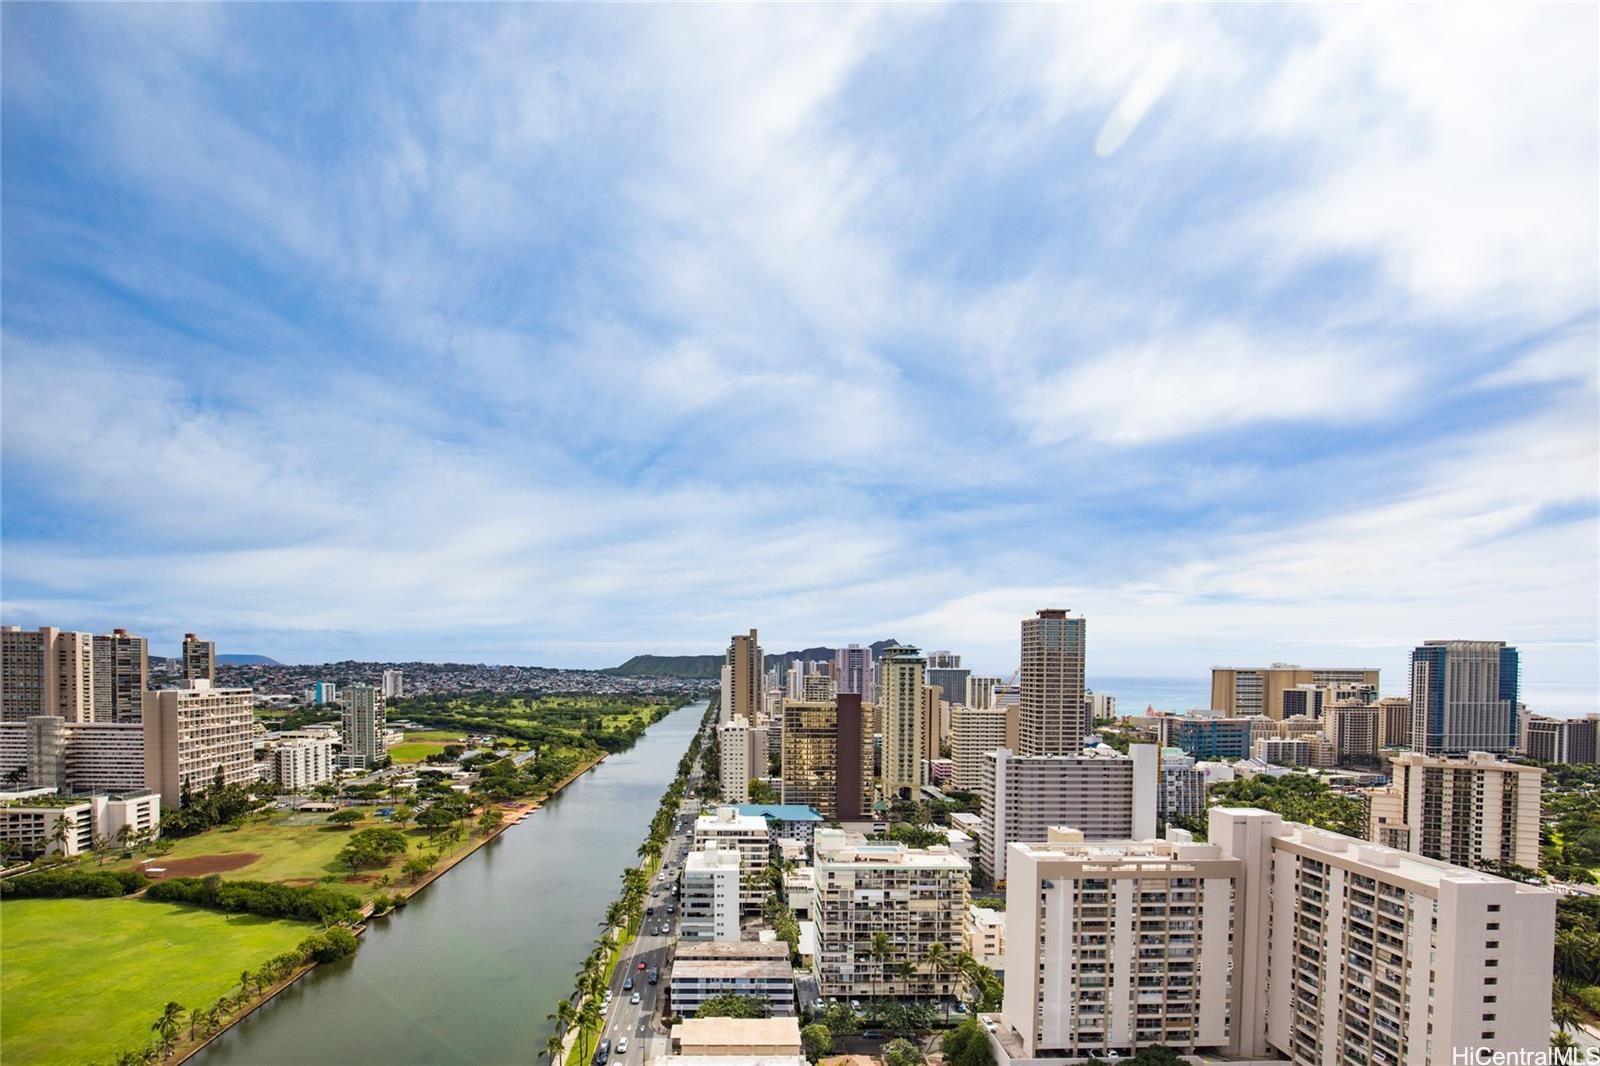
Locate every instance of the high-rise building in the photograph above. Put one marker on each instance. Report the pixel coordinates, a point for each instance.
(1240, 690)
(303, 763)
(394, 684)
(1304, 701)
(1394, 722)
(943, 660)
(130, 673)
(1562, 740)
(710, 893)
(1460, 810)
(976, 731)
(750, 835)
(322, 692)
(1464, 697)
(901, 706)
(914, 897)
(818, 688)
(48, 751)
(1106, 796)
(745, 682)
(725, 696)
(852, 669)
(733, 765)
(980, 690)
(1055, 716)
(794, 680)
(46, 672)
(1183, 786)
(935, 722)
(193, 732)
(1102, 705)
(1352, 727)
(827, 756)
(1119, 945)
(1348, 952)
(199, 658)
(361, 728)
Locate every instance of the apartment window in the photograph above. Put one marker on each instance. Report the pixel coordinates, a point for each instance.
(1491, 962)
(1491, 999)
(1489, 1035)
(1494, 927)
(1491, 945)
(1488, 1017)
(1494, 908)
(1491, 980)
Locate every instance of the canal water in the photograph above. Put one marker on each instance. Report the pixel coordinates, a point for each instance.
(467, 972)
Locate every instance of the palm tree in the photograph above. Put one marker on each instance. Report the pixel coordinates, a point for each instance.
(58, 835)
(966, 967)
(553, 1046)
(938, 959)
(879, 952)
(166, 1026)
(1564, 1015)
(245, 979)
(589, 1021)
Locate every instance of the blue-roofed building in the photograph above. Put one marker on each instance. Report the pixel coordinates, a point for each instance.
(788, 821)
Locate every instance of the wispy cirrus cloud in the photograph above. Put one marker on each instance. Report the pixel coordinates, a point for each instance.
(542, 333)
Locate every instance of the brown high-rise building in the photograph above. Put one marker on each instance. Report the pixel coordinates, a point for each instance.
(1260, 690)
(827, 756)
(901, 707)
(121, 675)
(199, 659)
(46, 672)
(1055, 712)
(744, 677)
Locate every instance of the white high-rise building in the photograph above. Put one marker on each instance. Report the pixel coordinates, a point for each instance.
(394, 684)
(749, 834)
(725, 694)
(1464, 697)
(1462, 810)
(980, 691)
(733, 769)
(915, 897)
(818, 688)
(194, 734)
(974, 732)
(1119, 945)
(1105, 796)
(298, 765)
(852, 669)
(362, 728)
(710, 894)
(1349, 952)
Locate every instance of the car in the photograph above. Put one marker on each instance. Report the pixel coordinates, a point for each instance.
(653, 976)
(622, 1046)
(652, 910)
(627, 985)
(602, 1053)
(641, 964)
(634, 998)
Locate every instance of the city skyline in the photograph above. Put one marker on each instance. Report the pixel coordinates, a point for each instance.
(548, 336)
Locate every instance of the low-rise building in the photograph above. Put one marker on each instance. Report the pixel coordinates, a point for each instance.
(721, 1037)
(786, 821)
(299, 765)
(30, 820)
(760, 970)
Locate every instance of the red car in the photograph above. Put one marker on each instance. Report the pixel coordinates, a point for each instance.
(641, 966)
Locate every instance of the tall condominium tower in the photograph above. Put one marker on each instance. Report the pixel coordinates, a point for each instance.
(193, 733)
(46, 672)
(1055, 718)
(1464, 697)
(901, 705)
(128, 661)
(744, 677)
(852, 668)
(827, 756)
(199, 658)
(394, 684)
(362, 727)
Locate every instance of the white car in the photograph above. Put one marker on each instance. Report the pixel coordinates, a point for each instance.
(635, 998)
(622, 1046)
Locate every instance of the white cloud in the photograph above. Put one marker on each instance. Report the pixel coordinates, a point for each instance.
(1209, 379)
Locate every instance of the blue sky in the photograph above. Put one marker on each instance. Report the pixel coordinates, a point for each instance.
(549, 334)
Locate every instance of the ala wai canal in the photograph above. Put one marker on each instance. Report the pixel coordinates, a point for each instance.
(468, 970)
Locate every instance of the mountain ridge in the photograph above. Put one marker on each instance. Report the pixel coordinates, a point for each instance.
(709, 667)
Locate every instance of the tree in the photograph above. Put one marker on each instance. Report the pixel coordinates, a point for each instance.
(879, 952)
(401, 815)
(731, 1005)
(166, 1026)
(124, 832)
(816, 1040)
(901, 1052)
(58, 834)
(553, 1045)
(967, 1045)
(348, 816)
(939, 963)
(489, 820)
(761, 791)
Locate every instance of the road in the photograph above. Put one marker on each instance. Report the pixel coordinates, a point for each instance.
(637, 1021)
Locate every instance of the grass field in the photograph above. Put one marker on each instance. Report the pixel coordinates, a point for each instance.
(423, 743)
(288, 847)
(84, 978)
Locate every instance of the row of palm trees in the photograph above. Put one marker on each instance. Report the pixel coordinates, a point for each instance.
(975, 980)
(583, 1008)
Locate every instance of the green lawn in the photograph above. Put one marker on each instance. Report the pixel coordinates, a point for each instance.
(83, 978)
(290, 847)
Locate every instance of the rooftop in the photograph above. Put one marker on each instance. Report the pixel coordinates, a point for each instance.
(779, 1034)
(733, 969)
(779, 812)
(732, 949)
